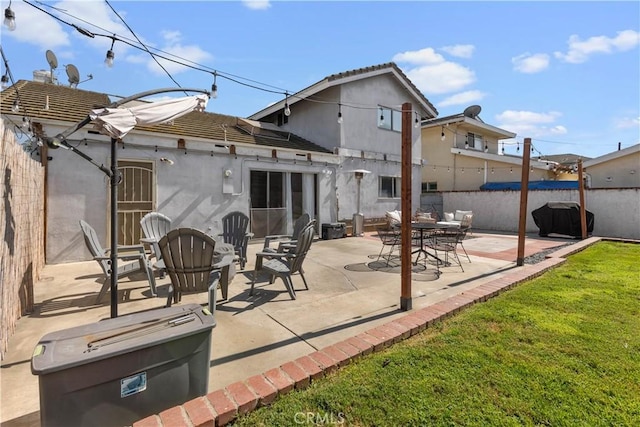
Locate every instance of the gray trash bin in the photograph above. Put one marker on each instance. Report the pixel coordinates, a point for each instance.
(118, 371)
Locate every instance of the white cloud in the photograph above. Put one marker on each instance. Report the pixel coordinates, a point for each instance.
(421, 57)
(528, 63)
(463, 98)
(257, 4)
(460, 50)
(173, 46)
(37, 28)
(531, 124)
(627, 122)
(441, 78)
(432, 74)
(580, 51)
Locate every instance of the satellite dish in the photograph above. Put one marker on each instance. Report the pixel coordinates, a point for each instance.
(472, 111)
(52, 60)
(74, 75)
(53, 64)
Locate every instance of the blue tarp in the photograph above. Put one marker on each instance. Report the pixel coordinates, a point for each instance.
(533, 185)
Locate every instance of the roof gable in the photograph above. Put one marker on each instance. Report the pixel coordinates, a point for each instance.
(349, 76)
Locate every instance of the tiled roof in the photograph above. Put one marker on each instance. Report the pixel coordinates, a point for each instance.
(72, 105)
(392, 65)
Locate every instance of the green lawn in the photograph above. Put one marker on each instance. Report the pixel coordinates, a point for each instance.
(560, 350)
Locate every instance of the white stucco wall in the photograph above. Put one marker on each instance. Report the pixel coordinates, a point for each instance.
(616, 211)
(190, 191)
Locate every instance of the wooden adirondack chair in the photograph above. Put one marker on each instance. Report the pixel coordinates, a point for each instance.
(285, 264)
(133, 253)
(189, 258)
(235, 227)
(154, 226)
(287, 239)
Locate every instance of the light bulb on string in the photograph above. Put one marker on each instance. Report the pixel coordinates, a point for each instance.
(287, 110)
(339, 113)
(417, 125)
(5, 81)
(442, 137)
(9, 18)
(16, 106)
(381, 116)
(486, 148)
(214, 86)
(108, 60)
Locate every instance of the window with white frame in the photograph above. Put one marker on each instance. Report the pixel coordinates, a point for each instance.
(389, 187)
(390, 119)
(429, 187)
(475, 141)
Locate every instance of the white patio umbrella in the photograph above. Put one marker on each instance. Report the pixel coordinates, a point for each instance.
(117, 122)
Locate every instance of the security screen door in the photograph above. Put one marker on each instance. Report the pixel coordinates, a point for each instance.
(136, 198)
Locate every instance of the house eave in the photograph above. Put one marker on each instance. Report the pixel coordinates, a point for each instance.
(612, 156)
(492, 157)
(470, 124)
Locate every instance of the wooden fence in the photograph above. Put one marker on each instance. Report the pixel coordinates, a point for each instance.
(21, 232)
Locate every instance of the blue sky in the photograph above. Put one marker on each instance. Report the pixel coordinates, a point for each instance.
(566, 74)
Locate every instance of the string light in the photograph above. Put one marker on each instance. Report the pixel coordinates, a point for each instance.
(108, 61)
(287, 110)
(486, 148)
(5, 81)
(417, 121)
(9, 18)
(381, 116)
(442, 137)
(16, 106)
(214, 86)
(340, 113)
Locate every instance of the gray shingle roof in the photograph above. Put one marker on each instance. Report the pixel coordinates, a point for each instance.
(72, 105)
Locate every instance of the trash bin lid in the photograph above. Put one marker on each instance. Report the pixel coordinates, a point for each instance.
(111, 337)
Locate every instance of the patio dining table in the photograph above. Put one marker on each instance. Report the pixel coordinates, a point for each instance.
(424, 229)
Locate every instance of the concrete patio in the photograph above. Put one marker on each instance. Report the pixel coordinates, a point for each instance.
(256, 333)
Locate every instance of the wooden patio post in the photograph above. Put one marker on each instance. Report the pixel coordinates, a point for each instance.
(524, 193)
(405, 247)
(583, 208)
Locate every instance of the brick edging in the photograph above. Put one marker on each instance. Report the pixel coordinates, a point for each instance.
(222, 406)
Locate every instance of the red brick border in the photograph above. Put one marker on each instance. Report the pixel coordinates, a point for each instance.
(222, 406)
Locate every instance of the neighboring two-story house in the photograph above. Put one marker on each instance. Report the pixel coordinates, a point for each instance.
(357, 115)
(463, 153)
